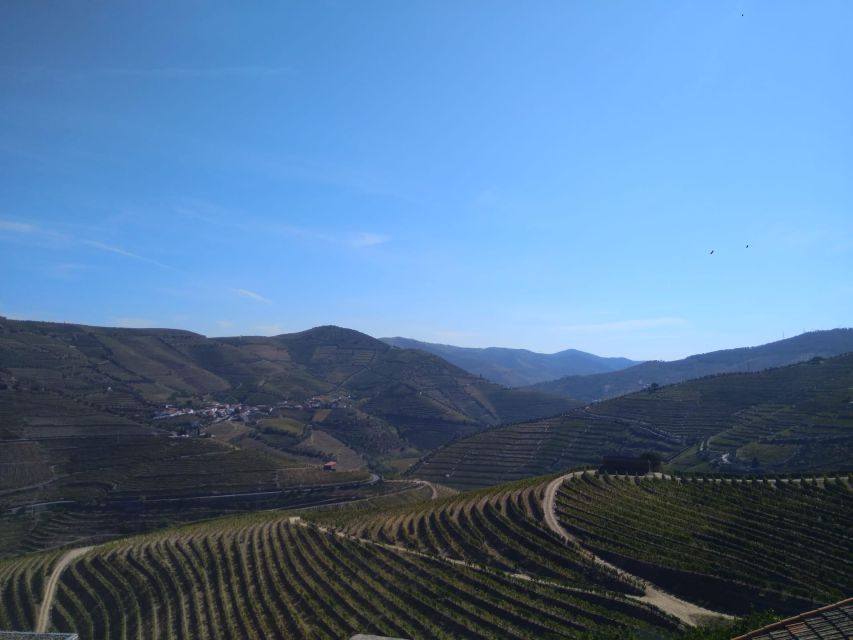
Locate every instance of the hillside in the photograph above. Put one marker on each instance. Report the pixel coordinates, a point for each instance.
(96, 423)
(729, 545)
(553, 557)
(705, 541)
(517, 367)
(277, 576)
(775, 354)
(280, 576)
(797, 418)
(412, 397)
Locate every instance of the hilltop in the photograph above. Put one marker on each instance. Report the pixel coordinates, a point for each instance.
(517, 367)
(589, 388)
(797, 418)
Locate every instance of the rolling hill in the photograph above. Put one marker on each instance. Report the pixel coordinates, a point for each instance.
(517, 367)
(589, 388)
(797, 418)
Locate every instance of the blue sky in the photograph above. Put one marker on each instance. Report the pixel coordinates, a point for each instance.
(539, 175)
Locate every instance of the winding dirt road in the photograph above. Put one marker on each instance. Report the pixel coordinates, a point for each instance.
(50, 588)
(687, 612)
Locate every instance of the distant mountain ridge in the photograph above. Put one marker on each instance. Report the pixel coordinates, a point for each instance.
(399, 397)
(517, 367)
(803, 347)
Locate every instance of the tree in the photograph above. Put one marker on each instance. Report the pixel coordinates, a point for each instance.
(654, 459)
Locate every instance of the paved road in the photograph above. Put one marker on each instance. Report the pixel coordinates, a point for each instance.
(50, 588)
(687, 612)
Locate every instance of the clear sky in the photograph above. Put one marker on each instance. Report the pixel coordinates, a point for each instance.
(525, 174)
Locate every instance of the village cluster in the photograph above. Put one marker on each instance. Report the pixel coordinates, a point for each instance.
(216, 412)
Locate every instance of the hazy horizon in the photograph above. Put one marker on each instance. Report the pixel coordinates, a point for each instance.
(547, 176)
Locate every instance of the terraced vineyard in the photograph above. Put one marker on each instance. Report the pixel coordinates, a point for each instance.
(22, 583)
(727, 544)
(28, 530)
(529, 449)
(500, 528)
(792, 419)
(280, 577)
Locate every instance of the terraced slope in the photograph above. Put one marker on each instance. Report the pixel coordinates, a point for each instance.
(792, 419)
(22, 584)
(727, 544)
(24, 530)
(530, 449)
(500, 528)
(53, 449)
(277, 577)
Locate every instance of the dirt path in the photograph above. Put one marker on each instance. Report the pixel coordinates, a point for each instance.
(297, 520)
(52, 582)
(687, 612)
(432, 488)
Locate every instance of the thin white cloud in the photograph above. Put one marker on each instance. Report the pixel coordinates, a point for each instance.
(366, 239)
(251, 295)
(217, 216)
(41, 236)
(112, 249)
(640, 324)
(32, 233)
(18, 227)
(127, 254)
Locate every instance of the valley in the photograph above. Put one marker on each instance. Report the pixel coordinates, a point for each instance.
(327, 471)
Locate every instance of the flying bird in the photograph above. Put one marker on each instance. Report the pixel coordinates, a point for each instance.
(712, 252)
(747, 246)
